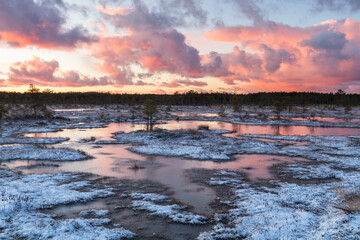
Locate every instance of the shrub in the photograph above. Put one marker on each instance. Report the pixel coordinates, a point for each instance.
(203, 127)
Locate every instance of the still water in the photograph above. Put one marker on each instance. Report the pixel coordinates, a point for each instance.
(115, 160)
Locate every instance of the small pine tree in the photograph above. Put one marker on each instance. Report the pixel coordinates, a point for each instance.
(149, 111)
(235, 103)
(279, 106)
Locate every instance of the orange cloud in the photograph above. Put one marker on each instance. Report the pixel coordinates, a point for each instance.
(111, 11)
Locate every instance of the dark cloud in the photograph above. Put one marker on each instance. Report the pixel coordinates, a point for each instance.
(175, 83)
(230, 67)
(212, 63)
(141, 19)
(338, 5)
(327, 41)
(251, 10)
(274, 58)
(189, 12)
(41, 24)
(188, 82)
(144, 75)
(176, 12)
(329, 46)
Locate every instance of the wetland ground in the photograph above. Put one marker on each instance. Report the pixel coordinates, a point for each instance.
(94, 172)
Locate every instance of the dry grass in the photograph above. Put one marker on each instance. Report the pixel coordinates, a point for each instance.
(136, 166)
(350, 201)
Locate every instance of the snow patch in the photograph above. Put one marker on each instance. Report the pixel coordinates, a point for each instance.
(31, 152)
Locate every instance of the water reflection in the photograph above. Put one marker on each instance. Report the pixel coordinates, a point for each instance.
(195, 114)
(261, 129)
(327, 119)
(115, 160)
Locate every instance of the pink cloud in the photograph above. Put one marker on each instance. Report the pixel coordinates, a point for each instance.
(175, 83)
(315, 56)
(323, 56)
(47, 73)
(151, 43)
(111, 11)
(41, 24)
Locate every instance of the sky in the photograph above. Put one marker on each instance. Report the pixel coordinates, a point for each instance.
(167, 46)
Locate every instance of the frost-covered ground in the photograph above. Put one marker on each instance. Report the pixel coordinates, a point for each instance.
(22, 198)
(303, 200)
(33, 152)
(289, 211)
(210, 144)
(322, 116)
(154, 203)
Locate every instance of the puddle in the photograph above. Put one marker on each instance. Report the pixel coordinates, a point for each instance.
(257, 165)
(327, 119)
(76, 109)
(182, 114)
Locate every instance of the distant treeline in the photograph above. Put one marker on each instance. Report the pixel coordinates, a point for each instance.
(188, 98)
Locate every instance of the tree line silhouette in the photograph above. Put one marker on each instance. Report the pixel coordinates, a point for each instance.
(49, 97)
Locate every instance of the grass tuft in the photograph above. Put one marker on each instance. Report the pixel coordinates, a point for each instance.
(349, 201)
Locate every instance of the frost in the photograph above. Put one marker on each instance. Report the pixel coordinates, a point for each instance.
(94, 213)
(31, 152)
(149, 197)
(32, 140)
(22, 196)
(170, 211)
(173, 212)
(289, 211)
(42, 226)
(203, 145)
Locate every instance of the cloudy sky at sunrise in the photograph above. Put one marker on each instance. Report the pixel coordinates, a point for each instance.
(163, 46)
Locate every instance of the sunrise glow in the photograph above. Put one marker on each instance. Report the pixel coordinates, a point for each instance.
(167, 46)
